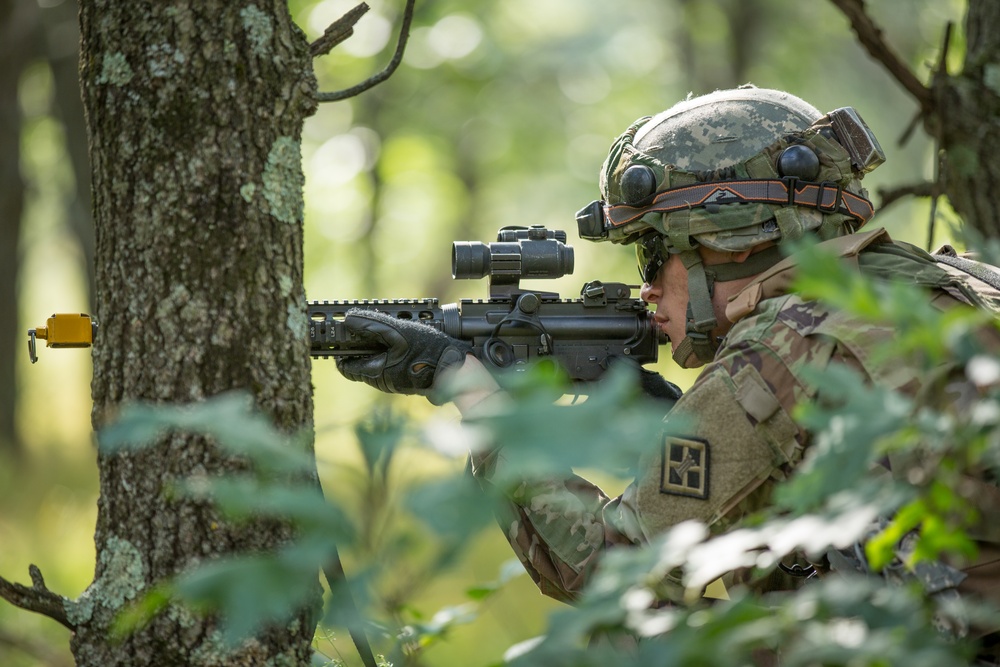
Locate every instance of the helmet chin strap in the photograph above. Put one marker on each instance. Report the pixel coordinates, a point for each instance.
(700, 314)
(701, 320)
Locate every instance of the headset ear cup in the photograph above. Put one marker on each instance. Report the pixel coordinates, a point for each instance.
(799, 161)
(638, 182)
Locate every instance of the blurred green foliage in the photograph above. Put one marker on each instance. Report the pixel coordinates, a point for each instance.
(500, 114)
(439, 516)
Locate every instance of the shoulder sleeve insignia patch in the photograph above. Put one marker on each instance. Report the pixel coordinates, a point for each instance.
(684, 469)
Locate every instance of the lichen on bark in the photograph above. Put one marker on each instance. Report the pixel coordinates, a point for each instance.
(122, 578)
(258, 27)
(283, 180)
(115, 70)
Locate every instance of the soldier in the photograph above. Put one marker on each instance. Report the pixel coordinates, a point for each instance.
(707, 191)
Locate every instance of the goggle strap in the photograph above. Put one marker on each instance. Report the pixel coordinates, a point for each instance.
(827, 197)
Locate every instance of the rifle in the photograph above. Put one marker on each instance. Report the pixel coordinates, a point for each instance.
(514, 326)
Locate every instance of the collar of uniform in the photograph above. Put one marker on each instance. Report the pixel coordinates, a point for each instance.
(777, 280)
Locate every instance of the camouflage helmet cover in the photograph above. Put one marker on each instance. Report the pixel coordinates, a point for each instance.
(724, 136)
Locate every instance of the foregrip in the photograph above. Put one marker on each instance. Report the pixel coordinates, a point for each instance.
(583, 335)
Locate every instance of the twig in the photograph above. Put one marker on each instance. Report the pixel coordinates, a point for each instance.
(889, 196)
(334, 572)
(397, 57)
(338, 31)
(938, 82)
(932, 223)
(870, 36)
(941, 72)
(910, 127)
(38, 598)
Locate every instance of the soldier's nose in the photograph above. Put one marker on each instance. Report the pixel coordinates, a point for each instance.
(649, 293)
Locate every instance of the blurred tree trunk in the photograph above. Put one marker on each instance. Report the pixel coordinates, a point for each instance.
(18, 45)
(27, 33)
(966, 118)
(718, 56)
(194, 113)
(62, 39)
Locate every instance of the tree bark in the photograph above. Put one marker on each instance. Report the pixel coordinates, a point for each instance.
(194, 115)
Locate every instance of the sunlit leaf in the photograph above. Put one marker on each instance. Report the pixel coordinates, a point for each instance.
(509, 570)
(440, 624)
(137, 615)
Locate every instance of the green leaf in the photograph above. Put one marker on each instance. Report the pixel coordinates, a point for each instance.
(454, 506)
(244, 497)
(137, 615)
(250, 592)
(440, 624)
(610, 430)
(509, 570)
(848, 428)
(379, 437)
(228, 418)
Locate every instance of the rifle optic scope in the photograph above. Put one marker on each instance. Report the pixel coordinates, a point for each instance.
(519, 252)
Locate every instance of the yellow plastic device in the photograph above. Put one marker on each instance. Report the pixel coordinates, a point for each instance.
(63, 330)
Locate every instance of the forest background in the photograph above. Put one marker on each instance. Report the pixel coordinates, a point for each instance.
(499, 114)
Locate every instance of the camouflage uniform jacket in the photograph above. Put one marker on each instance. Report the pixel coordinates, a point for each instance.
(744, 439)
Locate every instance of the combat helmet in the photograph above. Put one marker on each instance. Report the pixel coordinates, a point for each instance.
(730, 170)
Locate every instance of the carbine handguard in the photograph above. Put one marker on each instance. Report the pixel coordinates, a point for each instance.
(582, 335)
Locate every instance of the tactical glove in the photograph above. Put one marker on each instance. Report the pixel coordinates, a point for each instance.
(656, 386)
(415, 354)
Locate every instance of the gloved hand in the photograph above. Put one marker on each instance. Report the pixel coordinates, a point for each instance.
(415, 354)
(656, 386)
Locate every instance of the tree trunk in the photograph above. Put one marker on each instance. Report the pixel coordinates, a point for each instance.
(194, 114)
(968, 114)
